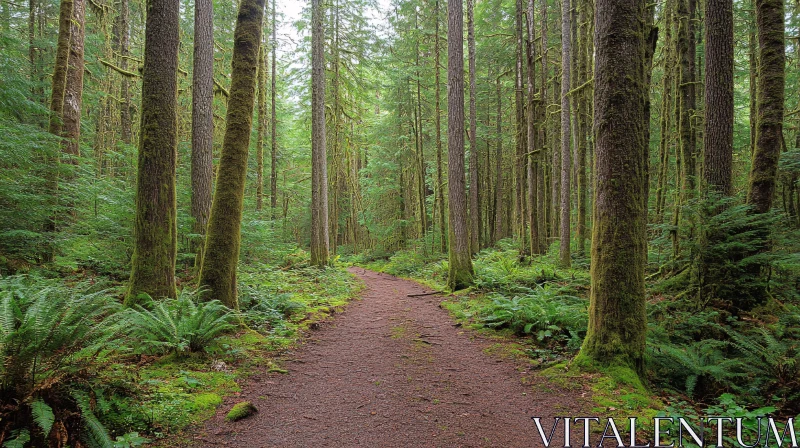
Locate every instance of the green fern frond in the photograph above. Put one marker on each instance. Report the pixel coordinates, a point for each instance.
(43, 416)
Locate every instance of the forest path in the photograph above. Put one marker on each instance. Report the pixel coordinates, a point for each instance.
(393, 371)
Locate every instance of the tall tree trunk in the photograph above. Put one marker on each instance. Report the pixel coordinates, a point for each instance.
(319, 169)
(123, 25)
(474, 197)
(438, 124)
(546, 207)
(666, 110)
(273, 176)
(58, 91)
(583, 55)
(771, 82)
(531, 159)
(566, 49)
(521, 137)
(617, 315)
(32, 50)
(262, 122)
(202, 118)
(686, 53)
(498, 186)
(155, 229)
(73, 95)
(460, 260)
(753, 59)
(718, 157)
(221, 254)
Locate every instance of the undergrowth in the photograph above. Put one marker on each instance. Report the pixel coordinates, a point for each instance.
(701, 351)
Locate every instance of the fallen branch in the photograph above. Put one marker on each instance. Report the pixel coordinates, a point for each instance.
(424, 294)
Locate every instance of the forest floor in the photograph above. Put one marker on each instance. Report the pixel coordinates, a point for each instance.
(396, 371)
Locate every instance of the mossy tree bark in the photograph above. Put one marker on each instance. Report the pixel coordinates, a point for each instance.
(521, 140)
(718, 157)
(155, 228)
(320, 246)
(460, 260)
(262, 123)
(202, 117)
(123, 25)
(498, 169)
(73, 94)
(566, 51)
(438, 124)
(617, 317)
(223, 240)
(58, 91)
(273, 176)
(584, 54)
(474, 196)
(770, 103)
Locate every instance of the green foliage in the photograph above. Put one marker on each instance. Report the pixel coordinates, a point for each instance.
(545, 315)
(179, 326)
(772, 363)
(703, 367)
(42, 415)
(53, 339)
(240, 411)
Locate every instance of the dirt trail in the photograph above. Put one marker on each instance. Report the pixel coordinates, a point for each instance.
(393, 371)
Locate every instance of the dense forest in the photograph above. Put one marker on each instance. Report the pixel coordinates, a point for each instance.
(610, 186)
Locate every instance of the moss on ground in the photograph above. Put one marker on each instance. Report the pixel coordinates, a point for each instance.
(241, 411)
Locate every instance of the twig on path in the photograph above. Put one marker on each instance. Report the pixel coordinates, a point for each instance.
(425, 342)
(424, 294)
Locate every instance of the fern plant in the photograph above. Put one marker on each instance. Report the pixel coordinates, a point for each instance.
(772, 363)
(704, 366)
(545, 314)
(179, 325)
(52, 341)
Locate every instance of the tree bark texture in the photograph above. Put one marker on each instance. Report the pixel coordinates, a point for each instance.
(718, 157)
(202, 115)
(155, 228)
(223, 239)
(460, 260)
(319, 170)
(617, 316)
(770, 103)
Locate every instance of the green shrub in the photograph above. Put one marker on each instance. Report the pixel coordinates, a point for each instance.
(545, 314)
(52, 341)
(179, 325)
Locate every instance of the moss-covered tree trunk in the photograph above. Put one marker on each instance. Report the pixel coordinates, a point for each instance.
(155, 228)
(584, 53)
(688, 96)
(520, 140)
(566, 51)
(262, 123)
(498, 168)
(617, 317)
(460, 260)
(273, 173)
(532, 156)
(474, 196)
(770, 103)
(319, 166)
(718, 157)
(752, 40)
(123, 25)
(59, 84)
(438, 124)
(202, 118)
(73, 94)
(223, 239)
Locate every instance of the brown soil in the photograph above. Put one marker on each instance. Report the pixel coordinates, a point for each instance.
(394, 371)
